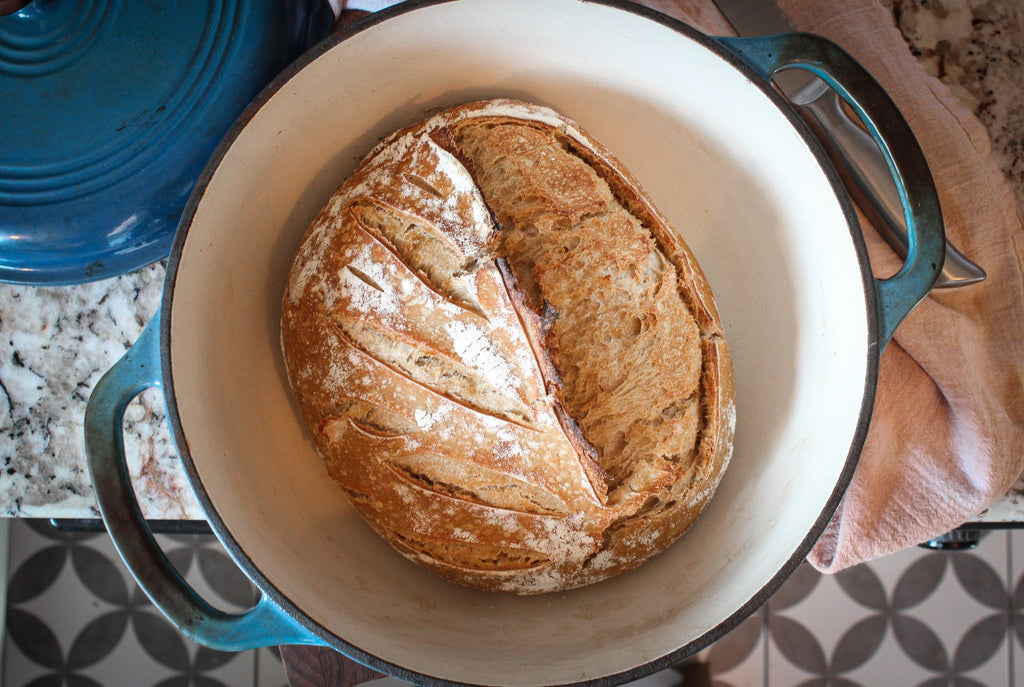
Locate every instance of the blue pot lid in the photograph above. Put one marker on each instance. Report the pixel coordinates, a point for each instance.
(111, 109)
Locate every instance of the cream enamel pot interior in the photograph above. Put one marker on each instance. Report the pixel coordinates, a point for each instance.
(736, 173)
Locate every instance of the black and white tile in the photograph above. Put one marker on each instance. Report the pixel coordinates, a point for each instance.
(75, 617)
(918, 618)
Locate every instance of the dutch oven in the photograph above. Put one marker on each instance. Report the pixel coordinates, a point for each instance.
(727, 161)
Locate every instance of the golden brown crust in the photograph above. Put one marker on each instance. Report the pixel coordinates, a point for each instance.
(434, 362)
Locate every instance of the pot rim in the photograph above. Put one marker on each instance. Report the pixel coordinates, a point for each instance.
(222, 531)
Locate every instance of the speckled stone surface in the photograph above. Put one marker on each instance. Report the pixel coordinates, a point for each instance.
(976, 47)
(56, 342)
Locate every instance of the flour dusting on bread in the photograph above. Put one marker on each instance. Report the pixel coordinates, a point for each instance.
(507, 359)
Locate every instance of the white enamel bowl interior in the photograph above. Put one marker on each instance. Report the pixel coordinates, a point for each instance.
(720, 160)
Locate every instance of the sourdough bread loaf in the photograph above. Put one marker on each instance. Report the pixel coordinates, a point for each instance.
(505, 356)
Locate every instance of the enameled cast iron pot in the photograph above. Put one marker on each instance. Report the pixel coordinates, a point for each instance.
(737, 174)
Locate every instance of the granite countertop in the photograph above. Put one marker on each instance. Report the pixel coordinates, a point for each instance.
(56, 342)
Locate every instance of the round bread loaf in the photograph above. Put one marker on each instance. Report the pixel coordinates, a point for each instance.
(505, 356)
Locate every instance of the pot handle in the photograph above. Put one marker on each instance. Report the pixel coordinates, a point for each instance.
(900, 293)
(266, 623)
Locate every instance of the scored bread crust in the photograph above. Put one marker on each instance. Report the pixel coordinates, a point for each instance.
(439, 380)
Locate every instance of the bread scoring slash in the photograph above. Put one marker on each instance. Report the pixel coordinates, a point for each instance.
(506, 357)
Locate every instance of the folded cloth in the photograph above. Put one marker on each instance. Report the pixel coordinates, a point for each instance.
(947, 431)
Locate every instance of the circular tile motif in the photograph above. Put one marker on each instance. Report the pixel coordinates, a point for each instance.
(87, 568)
(898, 612)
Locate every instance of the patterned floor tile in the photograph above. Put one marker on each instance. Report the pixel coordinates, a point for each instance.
(75, 615)
(1016, 591)
(970, 612)
(738, 659)
(816, 632)
(50, 629)
(5, 538)
(915, 618)
(126, 658)
(918, 618)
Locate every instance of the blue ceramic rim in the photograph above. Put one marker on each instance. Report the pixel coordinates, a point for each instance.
(872, 348)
